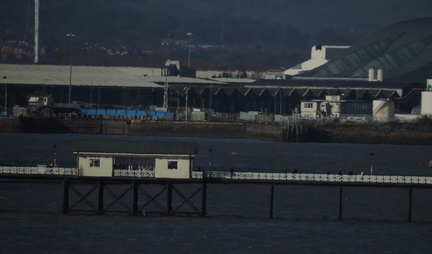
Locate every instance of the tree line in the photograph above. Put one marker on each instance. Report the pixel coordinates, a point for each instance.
(218, 42)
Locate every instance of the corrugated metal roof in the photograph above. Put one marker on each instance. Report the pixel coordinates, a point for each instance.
(39, 74)
(182, 80)
(34, 74)
(136, 147)
(234, 80)
(329, 83)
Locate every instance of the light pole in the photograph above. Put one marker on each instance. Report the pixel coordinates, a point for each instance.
(165, 97)
(371, 170)
(70, 35)
(99, 96)
(187, 99)
(186, 109)
(91, 93)
(189, 48)
(55, 156)
(5, 77)
(211, 95)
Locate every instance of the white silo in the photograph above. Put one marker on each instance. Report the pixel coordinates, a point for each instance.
(383, 110)
(371, 76)
(380, 74)
(426, 100)
(426, 103)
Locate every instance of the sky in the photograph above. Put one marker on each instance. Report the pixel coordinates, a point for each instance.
(309, 14)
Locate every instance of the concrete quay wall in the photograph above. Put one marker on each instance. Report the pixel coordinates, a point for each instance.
(208, 130)
(369, 133)
(145, 128)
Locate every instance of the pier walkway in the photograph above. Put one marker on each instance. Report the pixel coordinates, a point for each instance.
(237, 176)
(139, 192)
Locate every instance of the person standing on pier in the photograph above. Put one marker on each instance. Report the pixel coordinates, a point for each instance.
(232, 170)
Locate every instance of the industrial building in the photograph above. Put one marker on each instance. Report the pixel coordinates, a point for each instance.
(393, 64)
(143, 88)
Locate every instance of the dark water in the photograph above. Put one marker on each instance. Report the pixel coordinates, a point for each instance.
(305, 218)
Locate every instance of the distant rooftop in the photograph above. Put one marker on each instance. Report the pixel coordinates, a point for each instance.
(403, 51)
(38, 74)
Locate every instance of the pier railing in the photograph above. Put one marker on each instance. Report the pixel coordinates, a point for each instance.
(314, 177)
(134, 173)
(38, 170)
(292, 177)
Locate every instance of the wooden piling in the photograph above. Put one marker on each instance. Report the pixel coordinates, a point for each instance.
(100, 198)
(203, 200)
(65, 206)
(271, 201)
(169, 199)
(134, 198)
(410, 194)
(340, 202)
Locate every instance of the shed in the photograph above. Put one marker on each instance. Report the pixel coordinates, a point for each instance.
(100, 158)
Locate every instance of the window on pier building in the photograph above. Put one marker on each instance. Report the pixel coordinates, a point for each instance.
(95, 163)
(172, 164)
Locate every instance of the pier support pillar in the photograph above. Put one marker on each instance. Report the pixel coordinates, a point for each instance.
(65, 206)
(203, 200)
(340, 202)
(134, 198)
(271, 201)
(410, 194)
(169, 188)
(100, 198)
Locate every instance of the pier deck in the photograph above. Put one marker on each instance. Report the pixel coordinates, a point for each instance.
(98, 195)
(247, 177)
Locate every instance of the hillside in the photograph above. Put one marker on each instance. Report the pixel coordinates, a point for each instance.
(278, 33)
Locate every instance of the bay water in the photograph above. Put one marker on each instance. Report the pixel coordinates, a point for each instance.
(305, 217)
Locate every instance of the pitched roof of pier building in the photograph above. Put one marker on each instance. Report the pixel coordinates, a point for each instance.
(136, 147)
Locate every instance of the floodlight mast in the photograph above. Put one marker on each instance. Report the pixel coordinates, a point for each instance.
(70, 35)
(36, 35)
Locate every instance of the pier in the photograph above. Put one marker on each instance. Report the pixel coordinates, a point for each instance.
(138, 192)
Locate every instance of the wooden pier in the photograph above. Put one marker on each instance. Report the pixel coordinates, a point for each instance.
(134, 194)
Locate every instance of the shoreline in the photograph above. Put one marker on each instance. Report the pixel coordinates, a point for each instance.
(415, 133)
